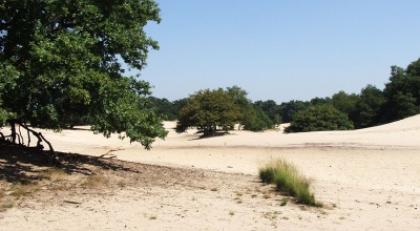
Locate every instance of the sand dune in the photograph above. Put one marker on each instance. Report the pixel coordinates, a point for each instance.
(385, 135)
(400, 134)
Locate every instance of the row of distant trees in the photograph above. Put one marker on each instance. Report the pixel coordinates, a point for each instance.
(210, 110)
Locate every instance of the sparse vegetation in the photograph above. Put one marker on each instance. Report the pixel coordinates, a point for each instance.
(284, 202)
(18, 190)
(96, 180)
(6, 204)
(288, 180)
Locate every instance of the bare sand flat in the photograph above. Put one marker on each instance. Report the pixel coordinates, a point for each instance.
(369, 179)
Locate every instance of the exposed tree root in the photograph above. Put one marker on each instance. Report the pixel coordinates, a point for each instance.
(16, 136)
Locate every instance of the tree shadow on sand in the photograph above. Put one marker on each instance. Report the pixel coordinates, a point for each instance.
(216, 134)
(20, 164)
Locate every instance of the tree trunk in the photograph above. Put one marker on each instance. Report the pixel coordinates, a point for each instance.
(38, 135)
(13, 130)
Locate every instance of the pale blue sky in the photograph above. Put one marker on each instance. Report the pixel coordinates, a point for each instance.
(280, 49)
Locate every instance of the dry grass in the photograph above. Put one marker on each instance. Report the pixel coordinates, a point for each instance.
(11, 194)
(288, 180)
(97, 180)
(52, 180)
(55, 175)
(19, 190)
(5, 202)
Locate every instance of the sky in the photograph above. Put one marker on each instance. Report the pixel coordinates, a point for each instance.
(280, 49)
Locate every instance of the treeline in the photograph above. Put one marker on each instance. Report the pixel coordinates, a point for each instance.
(372, 106)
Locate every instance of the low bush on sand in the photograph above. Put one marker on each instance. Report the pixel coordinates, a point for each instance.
(288, 180)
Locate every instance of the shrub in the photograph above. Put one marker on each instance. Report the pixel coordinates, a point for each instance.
(320, 118)
(287, 179)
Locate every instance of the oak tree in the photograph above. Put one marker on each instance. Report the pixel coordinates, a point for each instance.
(63, 61)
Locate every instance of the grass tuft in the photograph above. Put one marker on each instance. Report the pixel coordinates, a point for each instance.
(288, 180)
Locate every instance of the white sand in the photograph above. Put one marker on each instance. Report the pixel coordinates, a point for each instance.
(372, 176)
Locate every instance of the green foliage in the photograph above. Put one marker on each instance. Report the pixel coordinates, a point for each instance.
(288, 180)
(368, 108)
(240, 99)
(255, 119)
(271, 109)
(251, 117)
(239, 96)
(4, 116)
(8, 74)
(402, 93)
(209, 110)
(164, 108)
(319, 101)
(289, 109)
(345, 102)
(67, 61)
(212, 109)
(320, 118)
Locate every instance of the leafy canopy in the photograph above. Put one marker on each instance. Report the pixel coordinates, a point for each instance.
(402, 92)
(61, 61)
(368, 108)
(209, 110)
(319, 118)
(255, 119)
(271, 109)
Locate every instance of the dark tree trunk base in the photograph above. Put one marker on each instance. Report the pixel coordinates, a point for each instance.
(17, 138)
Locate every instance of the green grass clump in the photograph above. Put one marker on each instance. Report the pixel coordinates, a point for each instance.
(287, 179)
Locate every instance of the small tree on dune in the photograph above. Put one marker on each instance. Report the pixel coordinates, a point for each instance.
(209, 111)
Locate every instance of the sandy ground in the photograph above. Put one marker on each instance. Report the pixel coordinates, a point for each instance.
(369, 178)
